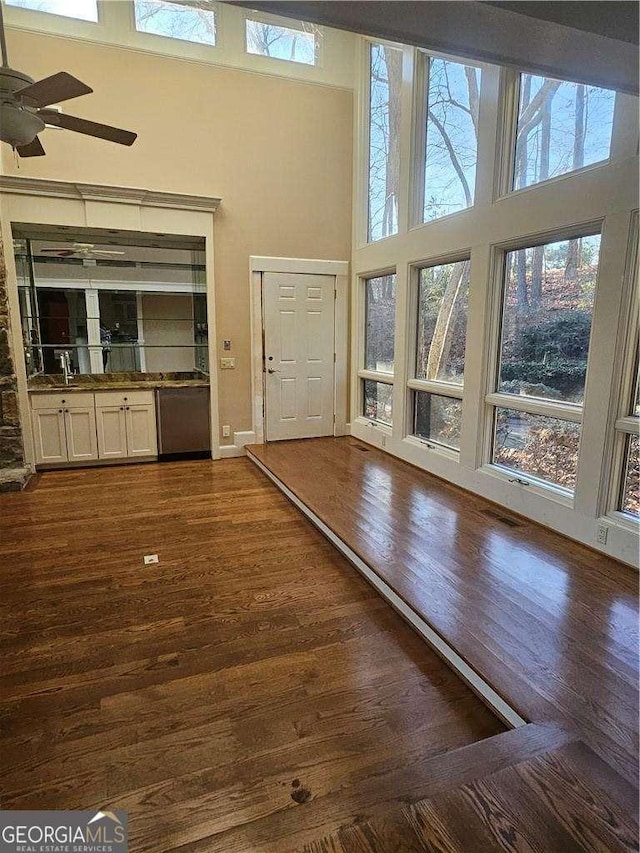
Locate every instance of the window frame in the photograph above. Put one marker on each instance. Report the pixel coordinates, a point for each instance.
(508, 131)
(493, 398)
(168, 39)
(288, 24)
(421, 84)
(44, 16)
(627, 423)
(362, 372)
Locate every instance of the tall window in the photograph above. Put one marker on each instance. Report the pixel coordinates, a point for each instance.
(628, 437)
(562, 126)
(443, 300)
(377, 376)
(281, 42)
(186, 21)
(385, 82)
(81, 10)
(546, 324)
(451, 142)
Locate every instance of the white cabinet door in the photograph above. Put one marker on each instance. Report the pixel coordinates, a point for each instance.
(80, 425)
(112, 432)
(49, 435)
(141, 430)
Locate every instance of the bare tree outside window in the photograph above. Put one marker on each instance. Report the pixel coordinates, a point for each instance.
(384, 140)
(190, 21)
(546, 323)
(438, 419)
(378, 401)
(451, 148)
(630, 503)
(380, 313)
(562, 126)
(443, 299)
(81, 10)
(279, 42)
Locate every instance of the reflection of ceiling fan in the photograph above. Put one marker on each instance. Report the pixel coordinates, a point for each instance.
(23, 102)
(84, 250)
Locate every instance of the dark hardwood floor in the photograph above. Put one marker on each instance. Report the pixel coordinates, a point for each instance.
(550, 624)
(250, 692)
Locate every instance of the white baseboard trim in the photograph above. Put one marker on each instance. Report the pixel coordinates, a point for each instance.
(228, 451)
(487, 694)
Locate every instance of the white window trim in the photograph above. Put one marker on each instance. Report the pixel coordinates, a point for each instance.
(158, 40)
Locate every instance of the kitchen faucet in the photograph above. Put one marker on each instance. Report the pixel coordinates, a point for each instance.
(65, 364)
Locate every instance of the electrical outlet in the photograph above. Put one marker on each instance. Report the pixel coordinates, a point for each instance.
(227, 364)
(226, 345)
(150, 558)
(226, 431)
(603, 532)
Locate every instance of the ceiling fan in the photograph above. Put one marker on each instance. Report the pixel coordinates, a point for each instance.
(23, 103)
(85, 250)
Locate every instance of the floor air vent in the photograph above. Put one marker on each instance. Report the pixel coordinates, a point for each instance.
(510, 522)
(360, 448)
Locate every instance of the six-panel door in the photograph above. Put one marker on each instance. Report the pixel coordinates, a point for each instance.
(299, 343)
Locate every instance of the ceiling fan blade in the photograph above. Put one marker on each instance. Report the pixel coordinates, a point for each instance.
(52, 90)
(89, 128)
(32, 149)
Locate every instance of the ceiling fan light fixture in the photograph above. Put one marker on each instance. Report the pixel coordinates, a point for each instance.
(19, 127)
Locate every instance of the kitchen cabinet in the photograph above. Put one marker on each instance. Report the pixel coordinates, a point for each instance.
(126, 424)
(105, 425)
(64, 428)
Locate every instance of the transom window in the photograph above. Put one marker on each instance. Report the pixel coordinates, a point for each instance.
(195, 21)
(562, 126)
(282, 42)
(81, 10)
(451, 139)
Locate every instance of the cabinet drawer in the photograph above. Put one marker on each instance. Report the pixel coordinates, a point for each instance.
(124, 398)
(61, 400)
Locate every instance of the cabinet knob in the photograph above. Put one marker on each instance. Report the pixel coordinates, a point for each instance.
(125, 399)
(59, 411)
(63, 402)
(127, 408)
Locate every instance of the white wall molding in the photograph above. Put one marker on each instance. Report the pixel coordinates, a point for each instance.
(229, 451)
(17, 185)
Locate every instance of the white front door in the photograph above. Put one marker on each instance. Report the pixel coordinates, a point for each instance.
(299, 332)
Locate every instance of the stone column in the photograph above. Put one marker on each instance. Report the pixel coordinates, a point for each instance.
(13, 473)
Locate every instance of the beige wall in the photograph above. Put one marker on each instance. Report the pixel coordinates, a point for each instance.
(278, 152)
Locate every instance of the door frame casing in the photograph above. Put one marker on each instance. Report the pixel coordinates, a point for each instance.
(339, 270)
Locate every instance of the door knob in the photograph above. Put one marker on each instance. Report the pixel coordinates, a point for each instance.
(271, 370)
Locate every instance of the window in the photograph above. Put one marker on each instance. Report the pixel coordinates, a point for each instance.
(380, 312)
(82, 10)
(546, 321)
(443, 299)
(280, 42)
(630, 498)
(561, 127)
(547, 309)
(451, 142)
(379, 331)
(384, 140)
(378, 401)
(545, 448)
(194, 21)
(441, 334)
(437, 419)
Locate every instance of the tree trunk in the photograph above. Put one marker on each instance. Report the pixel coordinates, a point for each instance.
(445, 322)
(538, 253)
(573, 252)
(393, 62)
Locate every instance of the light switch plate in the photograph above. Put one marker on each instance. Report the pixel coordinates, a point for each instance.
(226, 431)
(227, 363)
(150, 558)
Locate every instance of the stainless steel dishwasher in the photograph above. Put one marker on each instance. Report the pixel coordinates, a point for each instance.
(184, 427)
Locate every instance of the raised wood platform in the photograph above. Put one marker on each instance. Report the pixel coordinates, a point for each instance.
(551, 625)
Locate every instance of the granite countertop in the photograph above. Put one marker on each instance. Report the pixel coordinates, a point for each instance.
(118, 386)
(53, 383)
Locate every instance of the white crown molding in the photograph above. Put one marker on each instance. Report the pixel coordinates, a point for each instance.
(18, 185)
